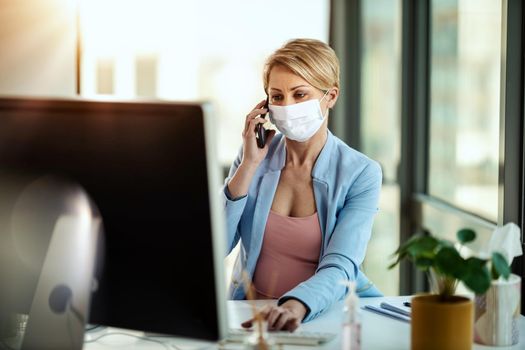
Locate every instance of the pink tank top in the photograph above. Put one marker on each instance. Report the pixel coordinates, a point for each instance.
(289, 254)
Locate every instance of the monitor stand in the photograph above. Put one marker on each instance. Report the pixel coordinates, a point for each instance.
(60, 306)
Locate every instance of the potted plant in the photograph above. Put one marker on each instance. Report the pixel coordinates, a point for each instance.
(443, 320)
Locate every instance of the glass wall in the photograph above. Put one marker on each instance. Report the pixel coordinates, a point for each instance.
(454, 163)
(465, 104)
(380, 129)
(157, 48)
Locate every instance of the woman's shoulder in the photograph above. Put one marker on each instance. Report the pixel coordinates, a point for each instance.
(351, 159)
(353, 170)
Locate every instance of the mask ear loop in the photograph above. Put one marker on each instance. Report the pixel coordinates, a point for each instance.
(322, 98)
(326, 93)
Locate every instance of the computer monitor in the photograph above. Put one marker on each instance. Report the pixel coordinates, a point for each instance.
(150, 169)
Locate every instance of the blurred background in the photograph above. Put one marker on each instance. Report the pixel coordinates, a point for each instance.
(431, 89)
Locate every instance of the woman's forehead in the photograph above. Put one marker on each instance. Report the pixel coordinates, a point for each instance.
(281, 77)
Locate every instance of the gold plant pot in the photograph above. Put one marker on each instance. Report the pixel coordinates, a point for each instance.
(442, 325)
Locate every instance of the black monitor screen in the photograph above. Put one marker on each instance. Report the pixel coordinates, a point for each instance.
(144, 166)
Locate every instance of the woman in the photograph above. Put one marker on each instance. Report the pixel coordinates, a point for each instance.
(303, 205)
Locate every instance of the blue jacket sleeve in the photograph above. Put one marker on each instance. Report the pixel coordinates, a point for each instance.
(346, 249)
(233, 207)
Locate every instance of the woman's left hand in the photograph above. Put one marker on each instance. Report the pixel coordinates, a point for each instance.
(288, 316)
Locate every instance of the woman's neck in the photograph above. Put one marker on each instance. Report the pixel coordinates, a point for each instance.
(304, 154)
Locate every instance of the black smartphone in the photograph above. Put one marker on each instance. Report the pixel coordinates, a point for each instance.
(260, 131)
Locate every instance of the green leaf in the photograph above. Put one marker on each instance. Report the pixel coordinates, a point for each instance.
(424, 246)
(493, 273)
(446, 243)
(404, 247)
(424, 263)
(474, 262)
(417, 246)
(391, 266)
(450, 263)
(466, 235)
(400, 257)
(477, 277)
(500, 267)
(402, 251)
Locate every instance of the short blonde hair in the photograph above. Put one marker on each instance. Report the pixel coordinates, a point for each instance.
(311, 59)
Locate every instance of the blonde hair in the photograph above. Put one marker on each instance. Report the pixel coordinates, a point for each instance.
(311, 59)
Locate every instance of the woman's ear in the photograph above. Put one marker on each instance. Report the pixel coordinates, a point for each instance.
(333, 94)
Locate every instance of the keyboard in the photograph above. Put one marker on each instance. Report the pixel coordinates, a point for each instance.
(284, 337)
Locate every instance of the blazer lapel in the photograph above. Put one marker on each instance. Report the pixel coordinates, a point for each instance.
(321, 203)
(263, 205)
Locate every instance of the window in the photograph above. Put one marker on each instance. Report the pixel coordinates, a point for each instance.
(465, 104)
(380, 129)
(192, 50)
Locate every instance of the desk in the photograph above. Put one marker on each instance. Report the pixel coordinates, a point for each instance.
(378, 332)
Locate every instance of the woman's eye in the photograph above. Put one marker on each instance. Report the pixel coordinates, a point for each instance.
(276, 98)
(300, 95)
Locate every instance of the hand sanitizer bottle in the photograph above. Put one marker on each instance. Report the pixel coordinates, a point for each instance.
(351, 335)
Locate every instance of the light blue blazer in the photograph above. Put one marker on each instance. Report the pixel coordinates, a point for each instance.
(346, 187)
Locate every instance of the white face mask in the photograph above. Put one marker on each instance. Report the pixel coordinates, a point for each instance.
(299, 121)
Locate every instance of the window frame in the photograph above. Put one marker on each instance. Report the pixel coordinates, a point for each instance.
(512, 128)
(417, 206)
(421, 207)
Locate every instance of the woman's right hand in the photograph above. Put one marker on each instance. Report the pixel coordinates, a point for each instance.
(252, 154)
